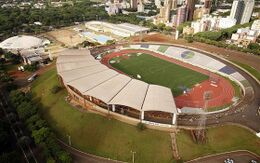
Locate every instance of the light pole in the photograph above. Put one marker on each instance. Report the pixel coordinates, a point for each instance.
(69, 139)
(133, 156)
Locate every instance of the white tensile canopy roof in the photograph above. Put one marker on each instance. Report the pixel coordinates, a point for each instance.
(87, 75)
(21, 42)
(81, 72)
(166, 102)
(109, 89)
(88, 82)
(132, 95)
(62, 67)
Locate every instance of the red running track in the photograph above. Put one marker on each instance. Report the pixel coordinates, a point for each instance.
(221, 93)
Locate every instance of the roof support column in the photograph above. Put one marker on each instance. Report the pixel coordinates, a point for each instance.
(174, 118)
(142, 115)
(113, 108)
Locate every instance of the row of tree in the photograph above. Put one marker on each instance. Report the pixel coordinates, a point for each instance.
(16, 20)
(38, 127)
(217, 38)
(8, 151)
(252, 48)
(223, 34)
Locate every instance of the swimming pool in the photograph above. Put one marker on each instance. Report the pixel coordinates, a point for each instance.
(102, 39)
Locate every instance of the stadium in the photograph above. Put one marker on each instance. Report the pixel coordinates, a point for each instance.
(150, 83)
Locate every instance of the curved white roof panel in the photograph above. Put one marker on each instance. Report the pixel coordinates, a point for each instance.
(74, 58)
(109, 89)
(21, 42)
(159, 98)
(132, 95)
(61, 67)
(81, 72)
(90, 81)
(74, 52)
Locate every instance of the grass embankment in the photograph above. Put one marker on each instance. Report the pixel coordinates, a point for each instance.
(98, 135)
(250, 69)
(219, 139)
(154, 70)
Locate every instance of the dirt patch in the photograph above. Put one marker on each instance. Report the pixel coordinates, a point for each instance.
(66, 36)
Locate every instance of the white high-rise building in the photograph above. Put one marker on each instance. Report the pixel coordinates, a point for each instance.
(248, 10)
(140, 6)
(256, 25)
(242, 10)
(158, 3)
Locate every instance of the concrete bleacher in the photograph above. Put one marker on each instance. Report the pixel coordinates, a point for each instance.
(227, 70)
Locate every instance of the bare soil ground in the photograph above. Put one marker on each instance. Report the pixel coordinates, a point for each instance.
(66, 36)
(249, 59)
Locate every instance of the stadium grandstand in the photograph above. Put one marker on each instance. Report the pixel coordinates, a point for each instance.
(87, 80)
(122, 30)
(90, 81)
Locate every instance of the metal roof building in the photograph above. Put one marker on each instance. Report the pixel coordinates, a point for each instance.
(21, 42)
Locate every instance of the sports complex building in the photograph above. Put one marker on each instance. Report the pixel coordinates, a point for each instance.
(96, 84)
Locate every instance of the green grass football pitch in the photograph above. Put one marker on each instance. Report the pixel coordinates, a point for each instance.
(157, 71)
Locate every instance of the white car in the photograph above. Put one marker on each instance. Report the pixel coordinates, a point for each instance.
(228, 160)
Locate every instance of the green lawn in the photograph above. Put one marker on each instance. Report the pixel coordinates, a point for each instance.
(96, 134)
(219, 139)
(250, 69)
(157, 71)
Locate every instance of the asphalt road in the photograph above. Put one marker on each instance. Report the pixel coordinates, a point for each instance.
(237, 157)
(81, 157)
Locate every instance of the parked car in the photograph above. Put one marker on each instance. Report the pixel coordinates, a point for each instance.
(32, 78)
(228, 160)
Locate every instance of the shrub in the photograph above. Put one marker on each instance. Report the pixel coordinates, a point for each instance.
(55, 89)
(10, 86)
(189, 38)
(31, 68)
(141, 126)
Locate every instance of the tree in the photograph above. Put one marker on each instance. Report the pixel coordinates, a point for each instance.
(33, 119)
(189, 38)
(5, 77)
(161, 26)
(181, 26)
(41, 135)
(4, 135)
(37, 125)
(168, 29)
(110, 42)
(17, 97)
(26, 109)
(64, 157)
(31, 68)
(254, 46)
(24, 141)
(12, 157)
